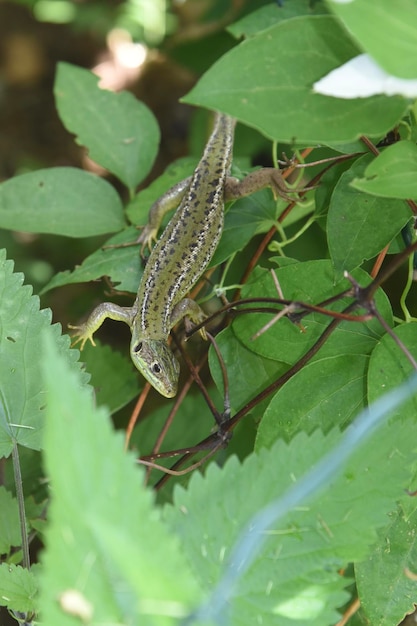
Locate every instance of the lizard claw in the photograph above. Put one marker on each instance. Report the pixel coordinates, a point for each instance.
(147, 238)
(279, 188)
(83, 335)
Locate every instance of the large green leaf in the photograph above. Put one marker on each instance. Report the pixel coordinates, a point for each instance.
(360, 225)
(18, 587)
(266, 82)
(105, 540)
(392, 40)
(386, 579)
(121, 264)
(247, 373)
(392, 174)
(328, 391)
(389, 366)
(245, 218)
(22, 395)
(270, 14)
(120, 132)
(293, 578)
(385, 590)
(60, 200)
(309, 282)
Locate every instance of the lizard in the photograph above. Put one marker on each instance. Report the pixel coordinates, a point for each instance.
(180, 256)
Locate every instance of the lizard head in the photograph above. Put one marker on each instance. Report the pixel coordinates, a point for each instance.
(156, 362)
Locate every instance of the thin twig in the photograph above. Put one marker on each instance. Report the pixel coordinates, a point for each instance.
(178, 401)
(172, 472)
(136, 412)
(397, 340)
(351, 610)
(226, 388)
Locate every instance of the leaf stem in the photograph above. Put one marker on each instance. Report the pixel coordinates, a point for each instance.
(407, 316)
(21, 505)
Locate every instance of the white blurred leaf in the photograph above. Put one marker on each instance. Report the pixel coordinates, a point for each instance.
(361, 77)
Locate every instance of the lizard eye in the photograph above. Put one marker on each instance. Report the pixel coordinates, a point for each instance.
(156, 368)
(138, 347)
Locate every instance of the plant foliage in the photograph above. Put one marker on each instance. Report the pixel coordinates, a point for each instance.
(314, 331)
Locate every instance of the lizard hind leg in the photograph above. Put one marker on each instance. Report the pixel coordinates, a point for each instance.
(259, 179)
(191, 313)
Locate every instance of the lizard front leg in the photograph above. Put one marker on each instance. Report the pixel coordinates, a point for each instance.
(106, 310)
(168, 201)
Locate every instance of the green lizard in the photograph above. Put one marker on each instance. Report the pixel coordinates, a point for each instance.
(180, 257)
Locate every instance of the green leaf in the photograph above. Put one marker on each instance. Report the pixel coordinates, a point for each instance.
(9, 522)
(34, 511)
(113, 376)
(105, 540)
(121, 264)
(385, 590)
(18, 587)
(389, 367)
(245, 218)
(270, 14)
(392, 174)
(248, 373)
(324, 192)
(62, 201)
(120, 132)
(359, 225)
(294, 575)
(310, 282)
(22, 395)
(138, 209)
(328, 391)
(392, 40)
(396, 549)
(254, 83)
